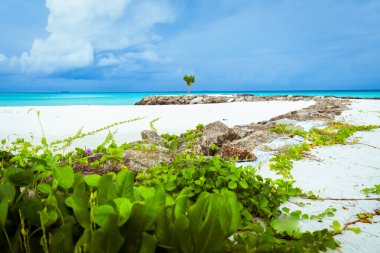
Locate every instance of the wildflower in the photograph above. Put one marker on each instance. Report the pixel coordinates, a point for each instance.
(168, 161)
(88, 150)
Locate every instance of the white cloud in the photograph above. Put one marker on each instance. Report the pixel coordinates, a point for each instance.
(2, 58)
(79, 29)
(147, 55)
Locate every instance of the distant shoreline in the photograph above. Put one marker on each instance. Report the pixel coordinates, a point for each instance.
(131, 98)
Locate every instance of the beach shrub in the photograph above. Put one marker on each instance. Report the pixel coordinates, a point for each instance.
(191, 204)
(259, 197)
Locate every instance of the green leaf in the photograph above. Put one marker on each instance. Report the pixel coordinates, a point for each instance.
(143, 218)
(84, 241)
(181, 202)
(79, 203)
(106, 189)
(181, 234)
(92, 180)
(124, 184)
(3, 212)
(102, 213)
(124, 209)
(44, 188)
(212, 220)
(108, 238)
(148, 244)
(355, 230)
(7, 192)
(243, 184)
(30, 209)
(64, 176)
(336, 226)
(170, 186)
(48, 218)
(286, 223)
(146, 192)
(232, 185)
(18, 176)
(169, 200)
(61, 240)
(230, 218)
(44, 141)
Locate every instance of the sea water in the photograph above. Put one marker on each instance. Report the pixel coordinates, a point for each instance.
(130, 98)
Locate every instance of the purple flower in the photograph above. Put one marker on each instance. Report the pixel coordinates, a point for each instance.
(168, 161)
(88, 150)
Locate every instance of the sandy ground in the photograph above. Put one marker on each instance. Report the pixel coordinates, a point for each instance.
(60, 122)
(339, 172)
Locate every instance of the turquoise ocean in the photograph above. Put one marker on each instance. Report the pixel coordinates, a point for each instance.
(130, 98)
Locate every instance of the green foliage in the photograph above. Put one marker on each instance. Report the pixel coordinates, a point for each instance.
(56, 210)
(258, 196)
(329, 212)
(283, 162)
(374, 190)
(189, 81)
(172, 141)
(214, 148)
(283, 129)
(335, 133)
(260, 239)
(192, 204)
(152, 127)
(63, 144)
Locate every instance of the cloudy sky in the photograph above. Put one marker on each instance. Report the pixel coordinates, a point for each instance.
(148, 45)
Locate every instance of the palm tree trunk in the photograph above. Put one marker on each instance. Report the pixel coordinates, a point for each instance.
(188, 89)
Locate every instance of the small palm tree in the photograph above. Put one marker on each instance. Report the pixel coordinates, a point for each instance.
(189, 81)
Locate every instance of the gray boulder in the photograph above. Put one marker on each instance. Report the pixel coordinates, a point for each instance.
(197, 100)
(150, 135)
(139, 160)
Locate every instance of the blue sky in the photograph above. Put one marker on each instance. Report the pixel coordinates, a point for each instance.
(148, 45)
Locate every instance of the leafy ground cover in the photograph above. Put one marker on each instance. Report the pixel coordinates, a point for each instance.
(186, 204)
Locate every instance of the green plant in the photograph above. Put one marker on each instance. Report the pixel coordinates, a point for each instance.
(214, 148)
(284, 129)
(152, 127)
(335, 133)
(189, 81)
(374, 190)
(258, 196)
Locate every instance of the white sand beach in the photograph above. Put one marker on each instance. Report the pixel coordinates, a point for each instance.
(335, 172)
(60, 122)
(341, 172)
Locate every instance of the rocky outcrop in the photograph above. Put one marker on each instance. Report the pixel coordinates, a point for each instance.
(324, 109)
(218, 133)
(150, 135)
(94, 157)
(254, 139)
(204, 99)
(228, 151)
(138, 160)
